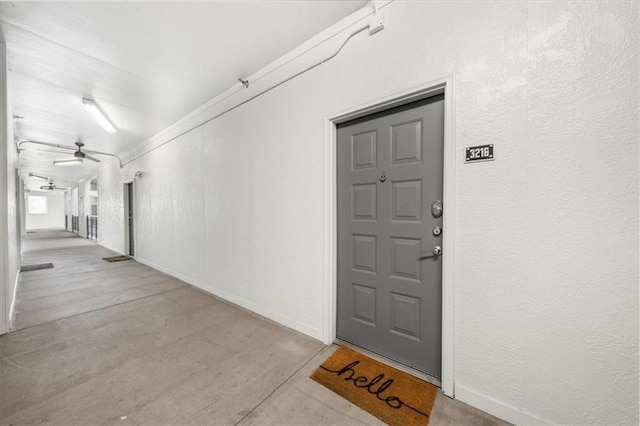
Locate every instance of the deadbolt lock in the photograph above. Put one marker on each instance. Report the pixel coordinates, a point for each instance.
(437, 231)
(436, 208)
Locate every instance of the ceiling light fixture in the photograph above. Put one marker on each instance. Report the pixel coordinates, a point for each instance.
(68, 162)
(98, 115)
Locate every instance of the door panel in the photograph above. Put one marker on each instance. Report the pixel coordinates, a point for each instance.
(389, 172)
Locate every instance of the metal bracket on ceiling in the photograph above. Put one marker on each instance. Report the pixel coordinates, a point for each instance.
(376, 22)
(245, 83)
(72, 148)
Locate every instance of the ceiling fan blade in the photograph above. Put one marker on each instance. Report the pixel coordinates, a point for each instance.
(88, 157)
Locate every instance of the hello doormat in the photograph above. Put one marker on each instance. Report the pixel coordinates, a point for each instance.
(35, 267)
(391, 395)
(116, 258)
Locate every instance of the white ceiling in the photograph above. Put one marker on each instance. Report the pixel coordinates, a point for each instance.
(145, 64)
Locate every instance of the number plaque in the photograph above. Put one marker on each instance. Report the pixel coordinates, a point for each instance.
(478, 153)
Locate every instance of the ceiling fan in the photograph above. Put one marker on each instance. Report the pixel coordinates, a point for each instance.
(52, 187)
(78, 157)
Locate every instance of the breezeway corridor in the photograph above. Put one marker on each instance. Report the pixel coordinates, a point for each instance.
(104, 343)
(451, 186)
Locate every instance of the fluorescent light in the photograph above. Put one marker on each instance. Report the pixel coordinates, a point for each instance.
(98, 115)
(68, 162)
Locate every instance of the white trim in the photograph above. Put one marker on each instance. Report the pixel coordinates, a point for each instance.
(271, 75)
(12, 307)
(329, 240)
(448, 241)
(329, 234)
(243, 303)
(113, 249)
(497, 408)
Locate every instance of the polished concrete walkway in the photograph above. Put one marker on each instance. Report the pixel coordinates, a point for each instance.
(120, 343)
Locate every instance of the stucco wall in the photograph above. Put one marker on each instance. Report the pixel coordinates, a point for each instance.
(5, 292)
(111, 208)
(84, 206)
(546, 281)
(10, 249)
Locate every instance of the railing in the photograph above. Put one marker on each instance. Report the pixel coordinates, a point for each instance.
(92, 228)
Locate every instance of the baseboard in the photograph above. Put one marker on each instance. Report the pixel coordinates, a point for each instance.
(12, 307)
(159, 268)
(12, 310)
(497, 408)
(111, 248)
(231, 298)
(267, 313)
(6, 323)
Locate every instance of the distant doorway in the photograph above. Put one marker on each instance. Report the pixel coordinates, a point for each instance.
(129, 240)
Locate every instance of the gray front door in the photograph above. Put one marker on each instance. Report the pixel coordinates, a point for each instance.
(390, 172)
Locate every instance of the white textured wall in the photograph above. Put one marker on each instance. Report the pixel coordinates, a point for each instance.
(75, 210)
(81, 210)
(5, 296)
(546, 301)
(54, 219)
(84, 205)
(111, 207)
(14, 257)
(10, 234)
(67, 208)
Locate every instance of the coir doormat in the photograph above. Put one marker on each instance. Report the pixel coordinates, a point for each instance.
(391, 395)
(35, 267)
(116, 258)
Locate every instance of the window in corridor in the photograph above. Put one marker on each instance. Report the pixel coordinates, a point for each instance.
(37, 205)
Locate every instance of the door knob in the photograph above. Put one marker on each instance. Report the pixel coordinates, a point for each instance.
(435, 252)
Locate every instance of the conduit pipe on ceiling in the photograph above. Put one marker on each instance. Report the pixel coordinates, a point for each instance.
(243, 84)
(55, 145)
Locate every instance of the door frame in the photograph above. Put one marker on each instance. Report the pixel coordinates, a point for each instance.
(330, 220)
(127, 226)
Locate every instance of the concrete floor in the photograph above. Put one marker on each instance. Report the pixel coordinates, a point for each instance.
(106, 343)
